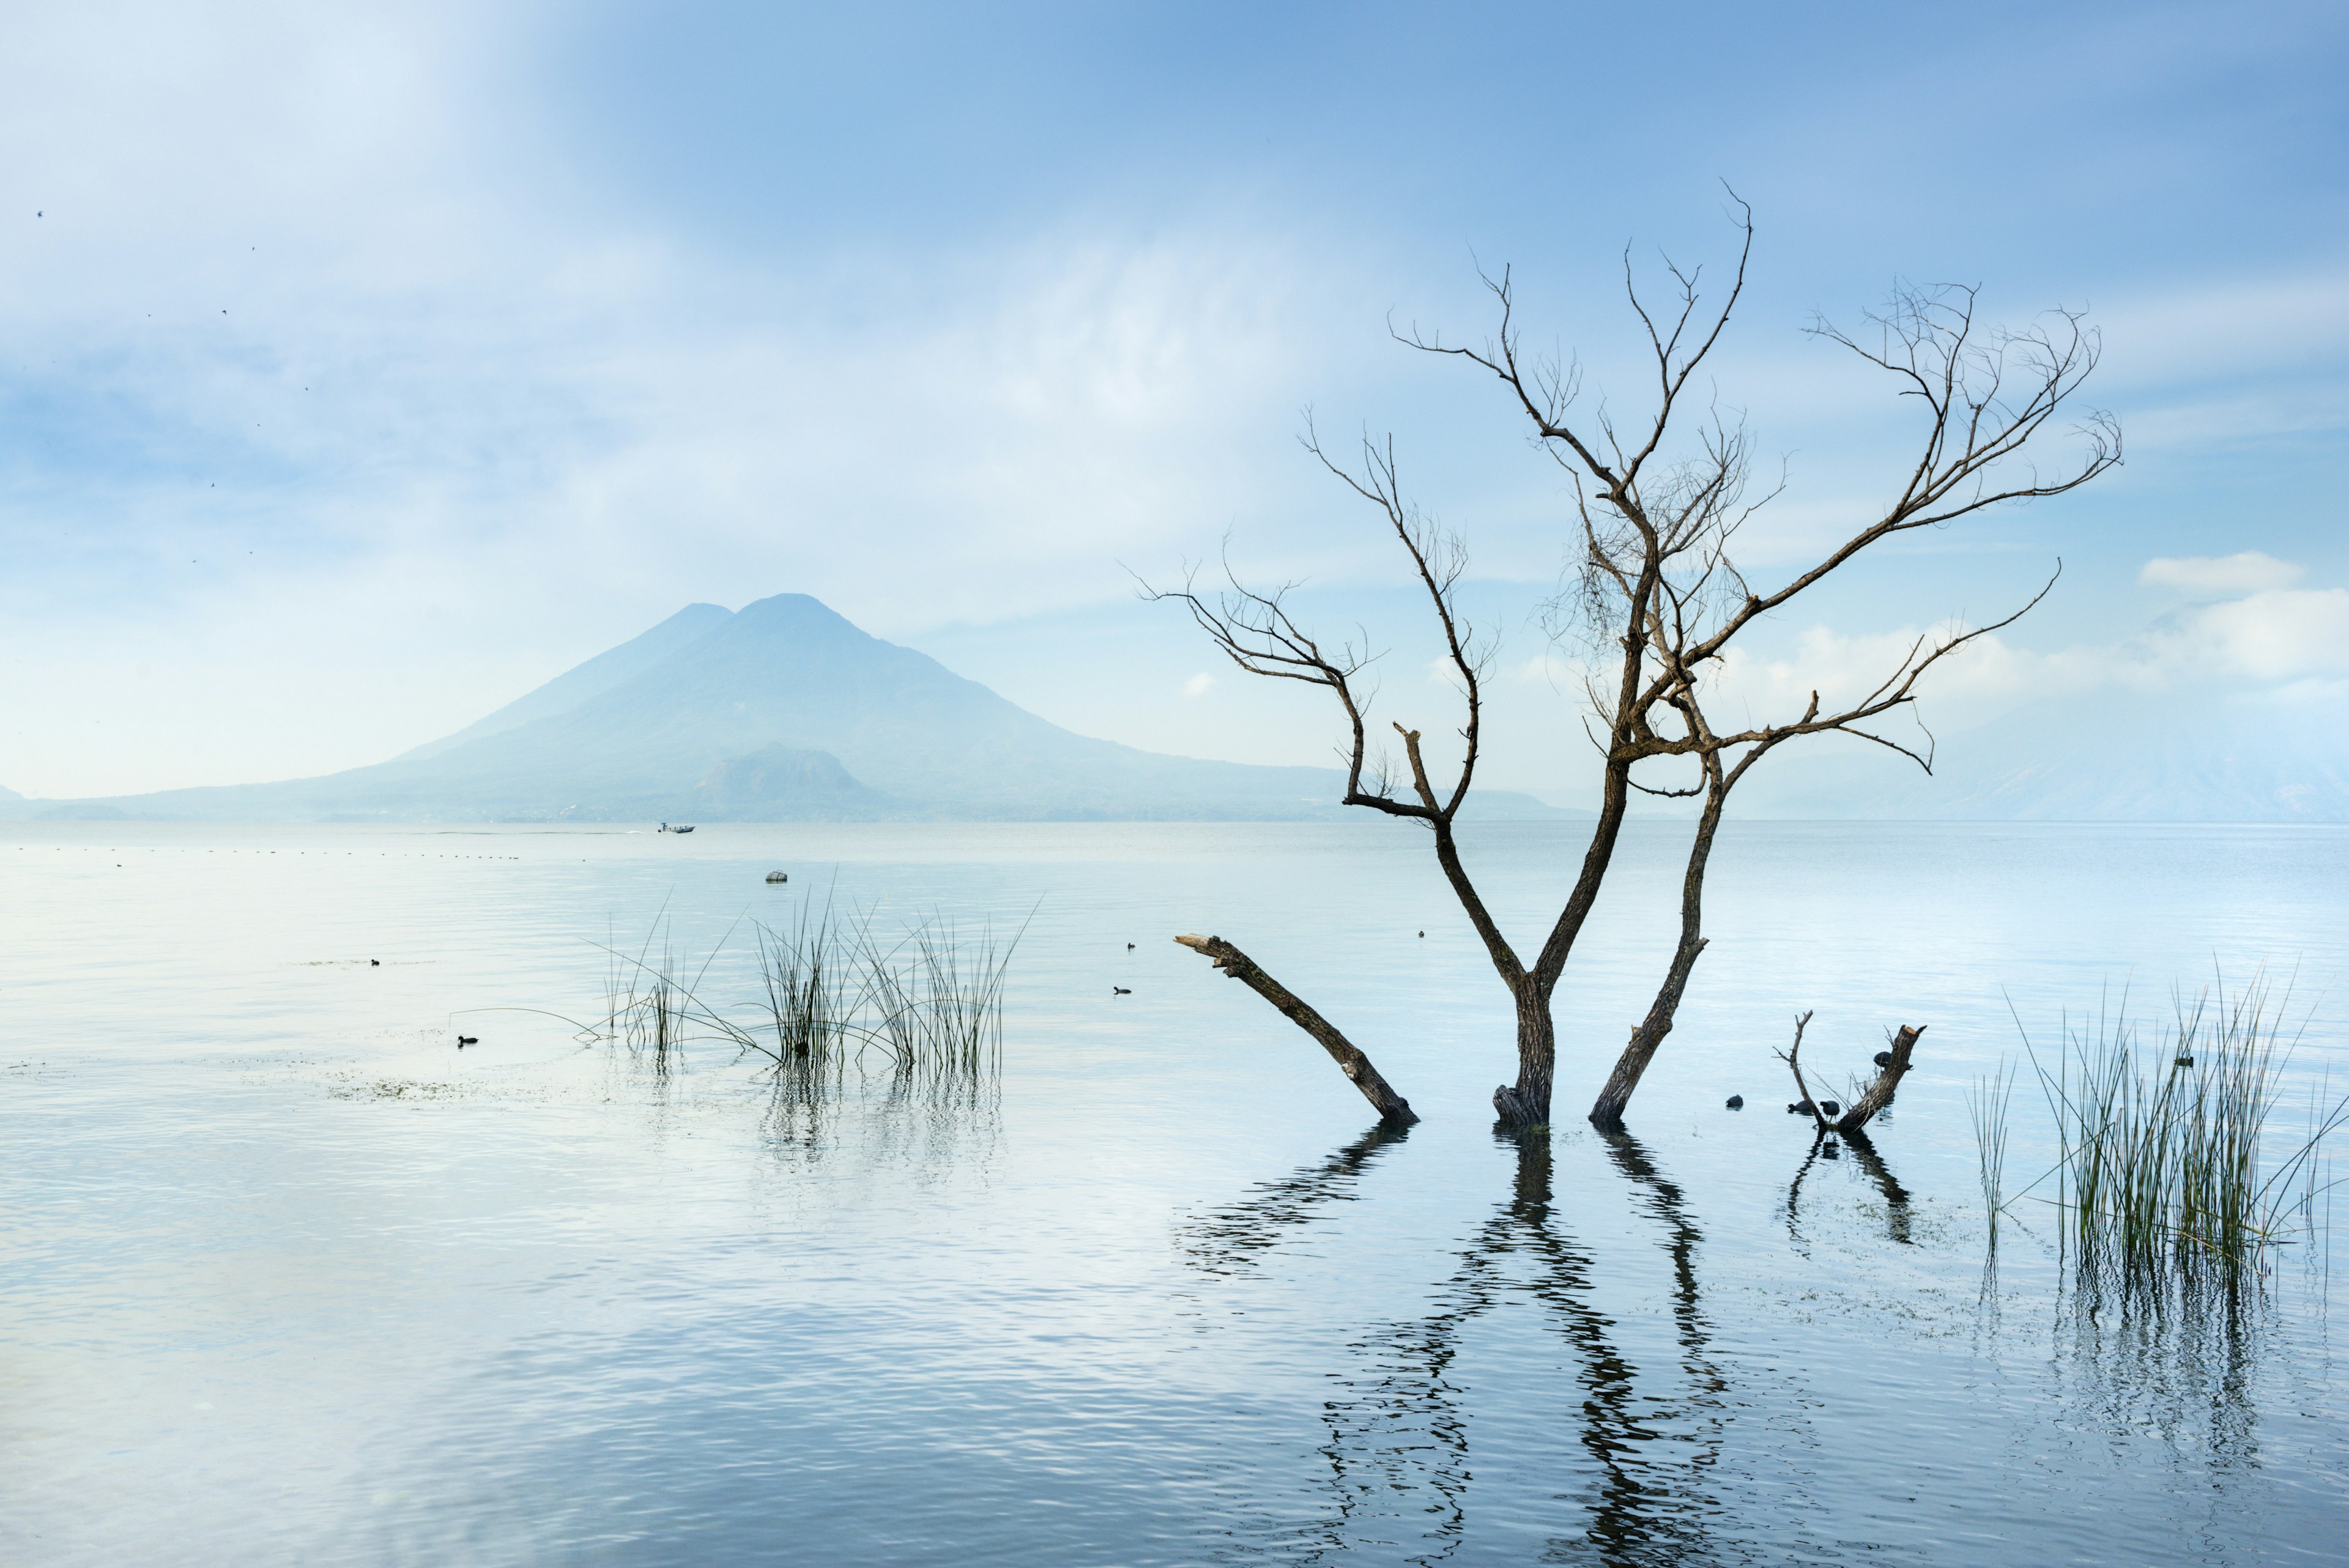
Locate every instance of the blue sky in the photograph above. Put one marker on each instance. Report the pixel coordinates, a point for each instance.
(361, 368)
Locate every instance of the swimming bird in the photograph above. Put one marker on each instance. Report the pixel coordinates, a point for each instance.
(1423, 933)
(375, 963)
(1884, 1058)
(1129, 947)
(1829, 1109)
(1736, 1102)
(465, 1040)
(1798, 1107)
(1120, 991)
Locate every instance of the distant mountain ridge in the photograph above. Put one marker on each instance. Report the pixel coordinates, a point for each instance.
(781, 712)
(784, 711)
(583, 682)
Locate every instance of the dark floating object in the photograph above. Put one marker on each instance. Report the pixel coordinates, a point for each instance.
(1129, 947)
(1423, 933)
(1884, 1058)
(1120, 991)
(375, 963)
(1736, 1102)
(680, 828)
(1829, 1109)
(2185, 1061)
(465, 1040)
(779, 875)
(1798, 1108)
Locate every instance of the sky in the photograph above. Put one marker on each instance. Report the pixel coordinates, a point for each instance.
(363, 367)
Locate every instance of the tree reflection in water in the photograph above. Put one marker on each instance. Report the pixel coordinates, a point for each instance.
(1229, 1239)
(1399, 1450)
(1899, 1219)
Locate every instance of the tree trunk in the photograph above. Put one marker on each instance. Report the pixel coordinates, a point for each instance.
(1351, 1060)
(1607, 1111)
(1527, 1103)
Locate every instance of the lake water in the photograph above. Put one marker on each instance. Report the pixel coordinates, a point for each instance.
(286, 1278)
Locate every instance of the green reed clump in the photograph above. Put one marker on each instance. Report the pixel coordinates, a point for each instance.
(938, 997)
(810, 1007)
(829, 991)
(2165, 1170)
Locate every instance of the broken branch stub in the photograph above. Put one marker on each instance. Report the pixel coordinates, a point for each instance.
(1351, 1060)
(1877, 1096)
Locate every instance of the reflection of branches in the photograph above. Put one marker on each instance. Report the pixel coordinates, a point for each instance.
(1871, 1165)
(1229, 1238)
(1667, 1204)
(1896, 1196)
(1398, 1447)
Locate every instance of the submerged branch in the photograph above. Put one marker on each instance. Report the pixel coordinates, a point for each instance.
(1875, 1097)
(1351, 1060)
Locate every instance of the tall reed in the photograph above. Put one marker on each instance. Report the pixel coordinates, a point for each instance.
(804, 973)
(1987, 1101)
(2163, 1171)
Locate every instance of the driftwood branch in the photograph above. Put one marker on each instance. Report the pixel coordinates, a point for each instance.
(1875, 1097)
(1351, 1060)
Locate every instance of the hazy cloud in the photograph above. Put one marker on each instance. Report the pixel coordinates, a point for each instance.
(2283, 640)
(2248, 571)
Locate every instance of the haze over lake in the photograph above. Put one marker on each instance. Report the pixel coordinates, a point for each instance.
(289, 1277)
(658, 664)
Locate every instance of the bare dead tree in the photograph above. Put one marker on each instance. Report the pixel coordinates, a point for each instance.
(1659, 599)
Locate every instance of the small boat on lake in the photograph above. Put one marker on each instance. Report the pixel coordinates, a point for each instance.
(779, 875)
(680, 828)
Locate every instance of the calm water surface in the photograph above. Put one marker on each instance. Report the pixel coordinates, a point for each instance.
(285, 1278)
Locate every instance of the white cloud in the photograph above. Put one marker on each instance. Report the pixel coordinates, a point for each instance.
(1198, 684)
(2285, 635)
(2249, 571)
